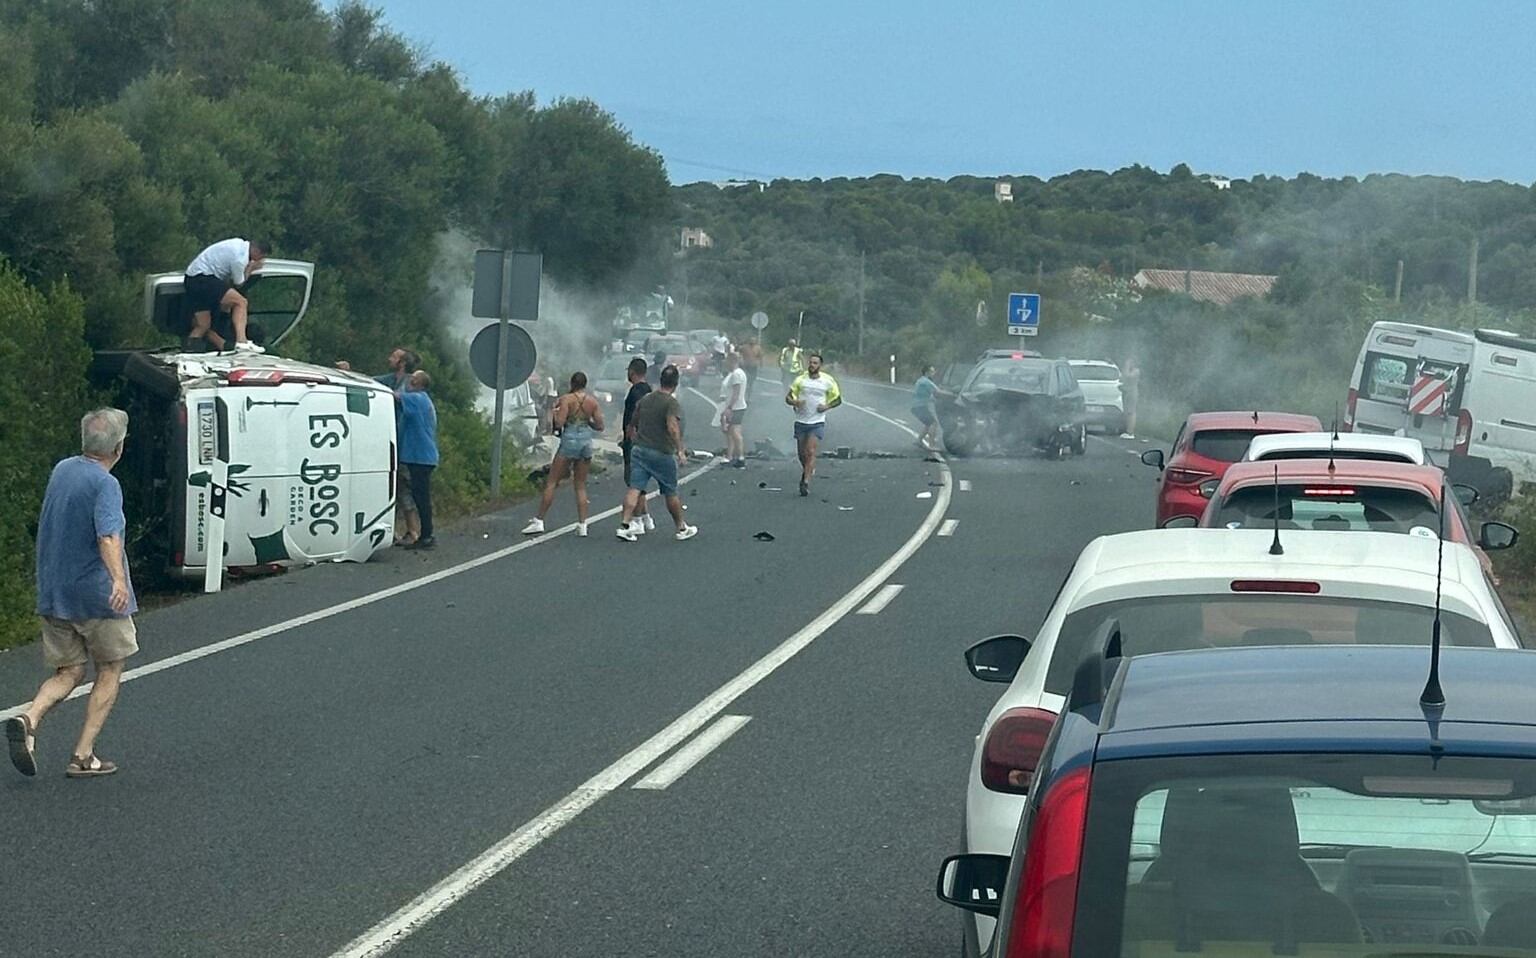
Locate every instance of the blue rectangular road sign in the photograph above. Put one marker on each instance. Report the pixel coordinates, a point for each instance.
(1023, 314)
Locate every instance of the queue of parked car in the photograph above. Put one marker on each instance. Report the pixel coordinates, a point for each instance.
(1293, 718)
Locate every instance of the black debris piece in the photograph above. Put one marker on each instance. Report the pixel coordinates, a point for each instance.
(763, 536)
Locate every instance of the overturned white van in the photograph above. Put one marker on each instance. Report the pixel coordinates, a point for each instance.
(1469, 397)
(310, 449)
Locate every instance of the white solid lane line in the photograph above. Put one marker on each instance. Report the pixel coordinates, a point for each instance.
(434, 901)
(693, 753)
(881, 600)
(965, 485)
(948, 528)
(245, 638)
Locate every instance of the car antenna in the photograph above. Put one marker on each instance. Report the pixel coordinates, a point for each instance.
(1335, 420)
(1331, 439)
(1255, 417)
(1275, 548)
(1433, 697)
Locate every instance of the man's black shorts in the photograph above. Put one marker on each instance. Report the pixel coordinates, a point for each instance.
(202, 293)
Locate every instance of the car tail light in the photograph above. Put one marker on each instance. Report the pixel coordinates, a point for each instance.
(1292, 586)
(1046, 905)
(1349, 409)
(1463, 432)
(1185, 477)
(1208, 487)
(1013, 747)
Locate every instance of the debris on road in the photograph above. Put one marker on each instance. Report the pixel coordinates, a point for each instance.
(925, 495)
(763, 536)
(765, 449)
(845, 508)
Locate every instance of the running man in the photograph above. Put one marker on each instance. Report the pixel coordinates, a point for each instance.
(210, 284)
(638, 390)
(811, 394)
(923, 410)
(658, 453)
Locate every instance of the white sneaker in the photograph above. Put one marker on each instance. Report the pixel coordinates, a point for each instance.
(687, 532)
(534, 527)
(637, 526)
(1126, 435)
(248, 347)
(626, 533)
(648, 523)
(581, 529)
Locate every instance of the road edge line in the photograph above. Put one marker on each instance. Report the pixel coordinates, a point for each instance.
(698, 748)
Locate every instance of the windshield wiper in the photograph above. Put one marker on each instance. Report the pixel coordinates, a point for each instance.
(1495, 856)
(1331, 849)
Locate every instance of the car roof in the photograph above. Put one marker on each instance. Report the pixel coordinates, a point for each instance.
(1252, 419)
(1287, 696)
(1092, 362)
(1399, 475)
(1344, 442)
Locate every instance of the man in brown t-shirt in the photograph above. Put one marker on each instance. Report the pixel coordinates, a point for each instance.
(657, 453)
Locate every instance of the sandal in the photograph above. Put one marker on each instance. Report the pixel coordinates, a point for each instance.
(89, 767)
(23, 743)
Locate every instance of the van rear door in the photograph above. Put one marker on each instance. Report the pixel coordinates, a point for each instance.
(278, 295)
(1411, 382)
(1502, 402)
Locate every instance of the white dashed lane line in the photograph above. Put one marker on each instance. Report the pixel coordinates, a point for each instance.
(965, 485)
(693, 753)
(948, 528)
(881, 600)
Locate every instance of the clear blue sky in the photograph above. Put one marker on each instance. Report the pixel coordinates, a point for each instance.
(804, 88)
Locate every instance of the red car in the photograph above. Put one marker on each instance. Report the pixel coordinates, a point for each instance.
(1351, 495)
(681, 351)
(1206, 445)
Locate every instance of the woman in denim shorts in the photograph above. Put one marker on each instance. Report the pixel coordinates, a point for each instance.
(578, 418)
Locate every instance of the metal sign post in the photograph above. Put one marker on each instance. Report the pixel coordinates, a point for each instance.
(506, 288)
(504, 316)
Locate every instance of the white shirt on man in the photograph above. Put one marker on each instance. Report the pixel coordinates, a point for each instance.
(813, 392)
(721, 344)
(738, 378)
(225, 260)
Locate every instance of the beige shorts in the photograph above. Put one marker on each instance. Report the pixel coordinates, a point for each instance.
(69, 642)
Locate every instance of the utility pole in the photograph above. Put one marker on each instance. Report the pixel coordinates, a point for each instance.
(1397, 290)
(1472, 274)
(861, 302)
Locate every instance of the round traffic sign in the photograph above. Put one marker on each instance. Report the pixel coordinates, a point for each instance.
(521, 355)
(759, 319)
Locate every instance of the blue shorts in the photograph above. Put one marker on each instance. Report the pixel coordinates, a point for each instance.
(923, 414)
(817, 429)
(576, 442)
(646, 464)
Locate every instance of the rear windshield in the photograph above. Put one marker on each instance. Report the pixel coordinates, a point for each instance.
(1311, 855)
(1177, 623)
(671, 344)
(1385, 379)
(1027, 375)
(1095, 374)
(1224, 445)
(1331, 507)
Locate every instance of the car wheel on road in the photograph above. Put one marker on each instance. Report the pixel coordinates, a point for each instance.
(958, 438)
(1080, 441)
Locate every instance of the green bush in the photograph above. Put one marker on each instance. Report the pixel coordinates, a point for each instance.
(42, 397)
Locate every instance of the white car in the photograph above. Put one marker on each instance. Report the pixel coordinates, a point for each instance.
(1344, 445)
(1100, 381)
(1174, 589)
(310, 450)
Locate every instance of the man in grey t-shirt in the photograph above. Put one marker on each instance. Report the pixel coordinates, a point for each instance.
(84, 595)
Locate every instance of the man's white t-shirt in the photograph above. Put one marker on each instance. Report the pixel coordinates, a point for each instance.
(226, 260)
(736, 377)
(813, 390)
(721, 344)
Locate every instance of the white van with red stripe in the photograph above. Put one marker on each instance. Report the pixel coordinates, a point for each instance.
(1469, 397)
(309, 450)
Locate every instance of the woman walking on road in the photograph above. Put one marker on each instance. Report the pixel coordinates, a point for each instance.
(924, 410)
(578, 418)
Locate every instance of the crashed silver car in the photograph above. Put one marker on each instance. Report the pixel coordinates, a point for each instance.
(1015, 404)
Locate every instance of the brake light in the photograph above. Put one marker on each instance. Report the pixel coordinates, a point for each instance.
(1463, 432)
(1185, 477)
(1349, 409)
(1329, 491)
(1399, 341)
(270, 377)
(1013, 747)
(1046, 905)
(1292, 586)
(1018, 355)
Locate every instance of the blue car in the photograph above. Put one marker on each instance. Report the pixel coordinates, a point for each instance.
(1277, 800)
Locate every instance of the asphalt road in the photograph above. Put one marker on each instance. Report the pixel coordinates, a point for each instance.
(375, 762)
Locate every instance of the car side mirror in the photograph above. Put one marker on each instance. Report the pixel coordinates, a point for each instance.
(1181, 522)
(997, 659)
(974, 882)
(1153, 457)
(1497, 535)
(1465, 494)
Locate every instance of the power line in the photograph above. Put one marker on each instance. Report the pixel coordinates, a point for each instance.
(717, 168)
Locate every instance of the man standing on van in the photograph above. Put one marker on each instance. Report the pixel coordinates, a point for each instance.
(84, 594)
(418, 448)
(209, 285)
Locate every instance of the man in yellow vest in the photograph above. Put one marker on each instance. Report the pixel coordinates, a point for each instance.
(791, 361)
